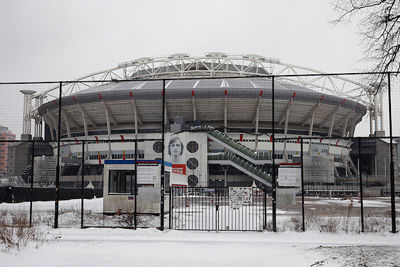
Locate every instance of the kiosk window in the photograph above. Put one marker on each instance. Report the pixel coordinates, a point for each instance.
(121, 182)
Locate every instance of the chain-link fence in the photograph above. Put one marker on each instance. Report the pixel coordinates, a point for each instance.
(106, 153)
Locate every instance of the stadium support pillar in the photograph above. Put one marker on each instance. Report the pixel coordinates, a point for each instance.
(108, 123)
(346, 122)
(51, 126)
(194, 107)
(108, 130)
(225, 113)
(351, 132)
(165, 110)
(26, 126)
(136, 116)
(371, 131)
(67, 126)
(225, 169)
(286, 129)
(256, 118)
(332, 121)
(55, 126)
(136, 125)
(285, 117)
(85, 127)
(312, 115)
(86, 116)
(38, 120)
(256, 145)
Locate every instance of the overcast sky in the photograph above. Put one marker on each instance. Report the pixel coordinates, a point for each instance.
(59, 40)
(62, 40)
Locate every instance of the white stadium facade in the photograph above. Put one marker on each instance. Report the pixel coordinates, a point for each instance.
(218, 106)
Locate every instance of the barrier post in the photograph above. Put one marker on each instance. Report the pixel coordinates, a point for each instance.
(83, 180)
(302, 185)
(273, 158)
(57, 196)
(162, 159)
(392, 185)
(136, 189)
(361, 184)
(31, 189)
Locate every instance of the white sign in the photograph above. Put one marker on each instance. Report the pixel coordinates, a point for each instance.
(147, 174)
(289, 176)
(239, 196)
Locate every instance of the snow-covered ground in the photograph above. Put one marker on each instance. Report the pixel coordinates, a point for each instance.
(71, 246)
(150, 247)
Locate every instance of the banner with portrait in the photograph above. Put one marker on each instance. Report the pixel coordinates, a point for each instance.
(176, 155)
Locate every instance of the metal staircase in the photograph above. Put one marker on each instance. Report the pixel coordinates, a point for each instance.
(234, 146)
(245, 160)
(252, 170)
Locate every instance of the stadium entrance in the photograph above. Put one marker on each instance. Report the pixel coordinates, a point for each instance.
(218, 209)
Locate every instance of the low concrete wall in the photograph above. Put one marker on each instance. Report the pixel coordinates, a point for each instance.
(22, 194)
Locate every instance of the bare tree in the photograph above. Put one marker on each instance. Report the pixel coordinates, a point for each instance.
(379, 24)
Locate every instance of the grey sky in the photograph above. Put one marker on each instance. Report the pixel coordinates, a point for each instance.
(62, 40)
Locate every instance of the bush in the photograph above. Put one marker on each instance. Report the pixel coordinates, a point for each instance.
(18, 234)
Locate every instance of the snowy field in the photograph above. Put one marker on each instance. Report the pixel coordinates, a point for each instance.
(149, 247)
(71, 246)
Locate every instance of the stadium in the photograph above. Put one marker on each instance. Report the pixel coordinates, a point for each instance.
(220, 109)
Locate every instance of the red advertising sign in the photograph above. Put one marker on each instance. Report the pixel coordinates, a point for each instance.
(179, 168)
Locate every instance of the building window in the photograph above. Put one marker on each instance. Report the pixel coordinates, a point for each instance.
(121, 181)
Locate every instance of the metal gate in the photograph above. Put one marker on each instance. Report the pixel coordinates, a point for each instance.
(218, 209)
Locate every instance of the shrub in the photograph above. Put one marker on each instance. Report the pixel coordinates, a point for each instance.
(19, 234)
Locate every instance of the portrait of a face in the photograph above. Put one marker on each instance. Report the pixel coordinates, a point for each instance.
(175, 149)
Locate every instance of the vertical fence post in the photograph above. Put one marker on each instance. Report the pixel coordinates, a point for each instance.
(170, 208)
(162, 159)
(392, 187)
(361, 185)
(273, 157)
(31, 189)
(265, 207)
(57, 196)
(82, 180)
(302, 184)
(136, 189)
